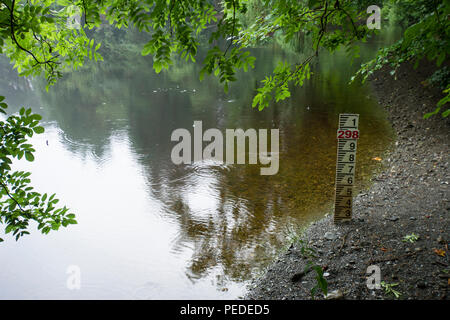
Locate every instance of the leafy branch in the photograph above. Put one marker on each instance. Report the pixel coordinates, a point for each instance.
(388, 289)
(50, 63)
(19, 204)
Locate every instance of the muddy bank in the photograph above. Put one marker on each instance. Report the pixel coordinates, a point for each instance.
(410, 196)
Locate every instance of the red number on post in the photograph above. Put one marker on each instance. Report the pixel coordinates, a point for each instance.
(348, 134)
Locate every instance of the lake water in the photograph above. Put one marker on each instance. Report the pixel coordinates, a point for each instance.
(149, 229)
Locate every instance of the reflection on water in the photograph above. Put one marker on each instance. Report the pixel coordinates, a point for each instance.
(150, 229)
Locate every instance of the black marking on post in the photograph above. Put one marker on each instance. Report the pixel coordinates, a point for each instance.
(344, 175)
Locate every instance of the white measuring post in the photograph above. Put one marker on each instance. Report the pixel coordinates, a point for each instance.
(347, 136)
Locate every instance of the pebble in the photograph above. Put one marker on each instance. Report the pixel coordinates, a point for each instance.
(330, 235)
(421, 285)
(335, 295)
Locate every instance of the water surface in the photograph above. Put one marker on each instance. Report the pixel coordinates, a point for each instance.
(148, 229)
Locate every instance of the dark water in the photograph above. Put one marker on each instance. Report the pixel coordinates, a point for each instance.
(149, 229)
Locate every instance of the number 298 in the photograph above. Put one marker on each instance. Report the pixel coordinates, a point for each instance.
(348, 134)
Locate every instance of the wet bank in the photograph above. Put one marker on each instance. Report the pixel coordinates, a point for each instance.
(408, 198)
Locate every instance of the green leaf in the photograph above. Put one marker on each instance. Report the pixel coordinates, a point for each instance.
(9, 228)
(157, 66)
(148, 48)
(29, 156)
(429, 114)
(440, 59)
(39, 130)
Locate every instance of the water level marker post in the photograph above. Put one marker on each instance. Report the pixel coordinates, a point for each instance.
(347, 136)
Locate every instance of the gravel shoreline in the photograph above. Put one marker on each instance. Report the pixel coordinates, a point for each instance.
(410, 196)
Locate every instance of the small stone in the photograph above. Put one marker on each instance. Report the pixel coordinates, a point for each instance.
(440, 240)
(330, 235)
(298, 276)
(326, 274)
(394, 218)
(412, 218)
(417, 249)
(421, 285)
(335, 295)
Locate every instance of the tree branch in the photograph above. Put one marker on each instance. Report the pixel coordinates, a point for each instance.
(14, 199)
(48, 63)
(232, 31)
